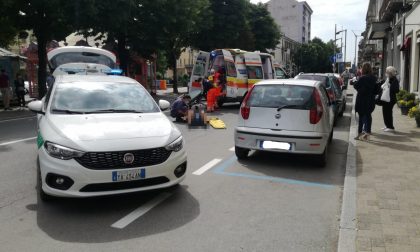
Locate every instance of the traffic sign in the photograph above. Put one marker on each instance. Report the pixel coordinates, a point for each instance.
(332, 58)
(339, 57)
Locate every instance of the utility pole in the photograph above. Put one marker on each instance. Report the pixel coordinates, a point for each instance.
(355, 48)
(335, 39)
(345, 47)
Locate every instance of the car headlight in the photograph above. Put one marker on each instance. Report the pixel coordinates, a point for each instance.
(175, 145)
(61, 152)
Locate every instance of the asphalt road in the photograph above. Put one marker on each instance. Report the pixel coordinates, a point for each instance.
(270, 202)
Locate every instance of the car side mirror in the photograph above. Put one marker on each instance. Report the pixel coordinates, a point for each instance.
(36, 107)
(164, 105)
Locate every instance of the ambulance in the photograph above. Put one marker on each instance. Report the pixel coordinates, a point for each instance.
(243, 70)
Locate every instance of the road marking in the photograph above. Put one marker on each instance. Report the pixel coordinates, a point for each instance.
(232, 149)
(207, 166)
(17, 141)
(17, 119)
(221, 169)
(142, 210)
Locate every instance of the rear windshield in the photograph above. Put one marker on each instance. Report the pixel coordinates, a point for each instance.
(322, 79)
(276, 96)
(81, 57)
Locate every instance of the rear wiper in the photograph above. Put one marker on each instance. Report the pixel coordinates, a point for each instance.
(286, 106)
(114, 111)
(67, 111)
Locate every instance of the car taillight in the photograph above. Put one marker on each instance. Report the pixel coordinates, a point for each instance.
(316, 112)
(245, 109)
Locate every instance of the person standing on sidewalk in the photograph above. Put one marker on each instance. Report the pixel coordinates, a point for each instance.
(20, 90)
(394, 87)
(5, 89)
(365, 101)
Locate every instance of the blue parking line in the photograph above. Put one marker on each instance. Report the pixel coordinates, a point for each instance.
(220, 169)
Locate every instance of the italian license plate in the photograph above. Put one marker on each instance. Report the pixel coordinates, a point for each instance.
(270, 145)
(118, 176)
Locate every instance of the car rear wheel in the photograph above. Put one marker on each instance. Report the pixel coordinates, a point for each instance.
(321, 160)
(41, 194)
(241, 153)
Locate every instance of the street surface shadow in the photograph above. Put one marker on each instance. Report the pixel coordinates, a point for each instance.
(395, 146)
(300, 167)
(5, 148)
(395, 137)
(89, 220)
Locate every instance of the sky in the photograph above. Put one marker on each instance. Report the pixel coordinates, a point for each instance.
(347, 14)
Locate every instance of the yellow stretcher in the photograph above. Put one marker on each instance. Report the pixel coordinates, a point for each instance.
(217, 123)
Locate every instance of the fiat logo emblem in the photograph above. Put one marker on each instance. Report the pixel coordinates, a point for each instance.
(278, 116)
(128, 158)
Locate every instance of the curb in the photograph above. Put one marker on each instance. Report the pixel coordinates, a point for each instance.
(348, 223)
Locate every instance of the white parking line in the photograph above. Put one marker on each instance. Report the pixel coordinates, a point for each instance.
(207, 166)
(17, 141)
(232, 149)
(125, 221)
(17, 119)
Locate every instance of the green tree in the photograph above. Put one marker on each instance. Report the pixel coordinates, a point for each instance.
(226, 26)
(265, 31)
(314, 57)
(181, 22)
(8, 28)
(49, 20)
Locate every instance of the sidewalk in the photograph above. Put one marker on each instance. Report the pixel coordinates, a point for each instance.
(15, 113)
(388, 187)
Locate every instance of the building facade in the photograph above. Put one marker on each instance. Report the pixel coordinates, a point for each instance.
(293, 17)
(392, 38)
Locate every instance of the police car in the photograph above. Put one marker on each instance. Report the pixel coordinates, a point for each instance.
(101, 134)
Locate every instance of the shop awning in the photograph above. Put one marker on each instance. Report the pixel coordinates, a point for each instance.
(9, 54)
(378, 30)
(407, 44)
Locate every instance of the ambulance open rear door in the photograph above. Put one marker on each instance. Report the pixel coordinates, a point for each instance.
(254, 68)
(200, 70)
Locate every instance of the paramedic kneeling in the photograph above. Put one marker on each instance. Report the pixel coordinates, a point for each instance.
(179, 108)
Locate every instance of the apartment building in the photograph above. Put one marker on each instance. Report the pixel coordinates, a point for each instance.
(392, 38)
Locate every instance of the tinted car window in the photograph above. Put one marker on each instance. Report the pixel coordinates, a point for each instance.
(275, 96)
(82, 57)
(88, 97)
(322, 79)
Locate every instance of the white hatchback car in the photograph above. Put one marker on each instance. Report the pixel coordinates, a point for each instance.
(102, 135)
(289, 116)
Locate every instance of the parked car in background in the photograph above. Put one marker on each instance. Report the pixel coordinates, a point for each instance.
(334, 89)
(288, 116)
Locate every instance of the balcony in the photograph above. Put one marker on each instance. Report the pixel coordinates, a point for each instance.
(378, 30)
(389, 8)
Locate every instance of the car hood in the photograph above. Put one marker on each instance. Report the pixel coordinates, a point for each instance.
(152, 129)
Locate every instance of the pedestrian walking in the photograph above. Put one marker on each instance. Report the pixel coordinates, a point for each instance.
(20, 90)
(5, 89)
(389, 97)
(346, 77)
(365, 101)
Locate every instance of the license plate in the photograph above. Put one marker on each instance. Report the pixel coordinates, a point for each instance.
(118, 176)
(270, 145)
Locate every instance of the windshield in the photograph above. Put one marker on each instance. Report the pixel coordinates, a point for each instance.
(102, 97)
(80, 57)
(277, 96)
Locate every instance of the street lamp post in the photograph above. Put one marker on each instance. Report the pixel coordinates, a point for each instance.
(355, 48)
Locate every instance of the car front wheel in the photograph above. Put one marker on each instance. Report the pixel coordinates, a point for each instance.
(241, 153)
